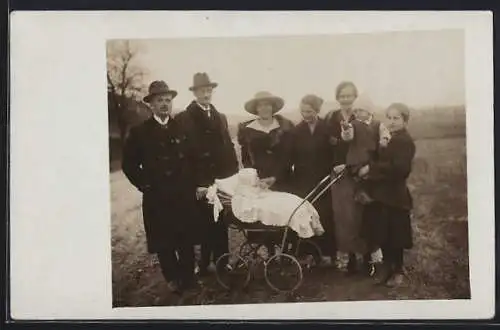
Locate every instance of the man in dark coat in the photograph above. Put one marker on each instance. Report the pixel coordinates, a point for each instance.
(215, 158)
(156, 160)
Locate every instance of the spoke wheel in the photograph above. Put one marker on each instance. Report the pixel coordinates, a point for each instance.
(232, 271)
(283, 273)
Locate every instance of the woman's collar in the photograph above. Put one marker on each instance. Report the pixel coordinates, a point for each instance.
(256, 125)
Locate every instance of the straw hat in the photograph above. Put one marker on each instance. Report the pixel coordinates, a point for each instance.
(158, 87)
(276, 101)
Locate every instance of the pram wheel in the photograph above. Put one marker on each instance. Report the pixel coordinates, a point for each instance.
(283, 273)
(251, 251)
(232, 271)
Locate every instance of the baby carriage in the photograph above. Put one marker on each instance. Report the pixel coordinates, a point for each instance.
(283, 267)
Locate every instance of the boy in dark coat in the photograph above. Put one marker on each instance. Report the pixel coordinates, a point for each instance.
(215, 158)
(156, 161)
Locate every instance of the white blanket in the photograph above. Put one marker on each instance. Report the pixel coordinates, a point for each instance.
(252, 204)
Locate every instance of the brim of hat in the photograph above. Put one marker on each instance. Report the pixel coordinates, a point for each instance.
(148, 98)
(213, 85)
(278, 102)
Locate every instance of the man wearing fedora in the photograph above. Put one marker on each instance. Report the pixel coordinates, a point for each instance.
(215, 158)
(156, 160)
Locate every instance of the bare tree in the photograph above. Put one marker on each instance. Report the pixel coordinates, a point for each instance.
(125, 79)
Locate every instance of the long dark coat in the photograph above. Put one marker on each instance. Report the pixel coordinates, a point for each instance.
(347, 213)
(388, 175)
(389, 221)
(215, 156)
(269, 153)
(312, 159)
(312, 156)
(156, 160)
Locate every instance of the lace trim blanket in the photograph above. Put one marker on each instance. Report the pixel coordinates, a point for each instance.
(251, 204)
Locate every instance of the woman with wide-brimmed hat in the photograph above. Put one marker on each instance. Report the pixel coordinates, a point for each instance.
(266, 143)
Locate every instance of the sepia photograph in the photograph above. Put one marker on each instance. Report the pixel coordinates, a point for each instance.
(247, 170)
(233, 166)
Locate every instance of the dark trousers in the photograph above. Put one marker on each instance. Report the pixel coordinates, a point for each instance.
(215, 241)
(393, 257)
(177, 263)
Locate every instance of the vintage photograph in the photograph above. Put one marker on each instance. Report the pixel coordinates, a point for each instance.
(278, 169)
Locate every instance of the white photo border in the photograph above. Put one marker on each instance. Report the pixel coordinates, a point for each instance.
(60, 254)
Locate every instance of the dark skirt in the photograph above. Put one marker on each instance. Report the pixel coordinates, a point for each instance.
(387, 226)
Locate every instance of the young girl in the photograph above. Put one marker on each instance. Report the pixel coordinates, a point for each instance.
(390, 226)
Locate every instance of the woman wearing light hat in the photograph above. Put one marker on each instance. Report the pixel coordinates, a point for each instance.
(266, 142)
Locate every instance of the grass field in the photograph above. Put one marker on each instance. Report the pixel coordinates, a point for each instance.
(437, 265)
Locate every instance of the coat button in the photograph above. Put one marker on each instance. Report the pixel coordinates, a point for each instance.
(269, 152)
(181, 155)
(168, 173)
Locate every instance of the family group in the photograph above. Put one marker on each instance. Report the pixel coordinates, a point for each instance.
(173, 159)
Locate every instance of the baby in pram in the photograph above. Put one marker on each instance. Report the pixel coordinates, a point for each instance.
(253, 203)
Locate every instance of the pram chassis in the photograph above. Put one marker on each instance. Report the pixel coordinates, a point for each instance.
(238, 263)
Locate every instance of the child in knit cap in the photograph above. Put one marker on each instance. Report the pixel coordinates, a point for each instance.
(366, 136)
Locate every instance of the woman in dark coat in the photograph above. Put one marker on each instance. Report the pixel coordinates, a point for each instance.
(266, 144)
(347, 213)
(312, 158)
(389, 225)
(266, 141)
(156, 160)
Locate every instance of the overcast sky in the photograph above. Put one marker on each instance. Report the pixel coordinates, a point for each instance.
(419, 68)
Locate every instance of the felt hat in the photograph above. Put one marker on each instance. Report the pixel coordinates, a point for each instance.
(158, 87)
(201, 79)
(276, 101)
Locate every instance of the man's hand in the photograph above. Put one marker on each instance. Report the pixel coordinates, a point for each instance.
(339, 168)
(267, 182)
(201, 192)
